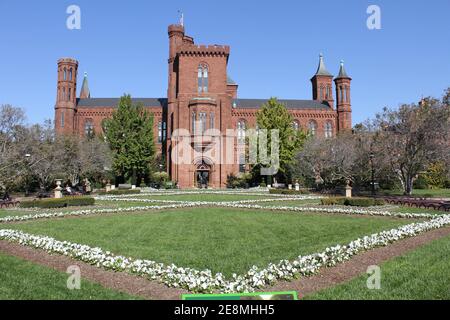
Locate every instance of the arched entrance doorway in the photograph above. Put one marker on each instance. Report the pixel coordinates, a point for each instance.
(202, 175)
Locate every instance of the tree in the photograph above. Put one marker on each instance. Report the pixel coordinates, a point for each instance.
(275, 116)
(412, 137)
(130, 136)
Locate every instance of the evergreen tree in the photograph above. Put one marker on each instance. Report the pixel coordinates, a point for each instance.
(273, 115)
(129, 133)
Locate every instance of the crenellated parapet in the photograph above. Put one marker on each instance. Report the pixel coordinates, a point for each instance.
(204, 50)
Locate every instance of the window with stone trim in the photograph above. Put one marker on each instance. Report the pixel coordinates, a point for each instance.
(241, 127)
(194, 119)
(312, 127)
(328, 129)
(88, 127)
(296, 125)
(202, 121)
(160, 132)
(203, 81)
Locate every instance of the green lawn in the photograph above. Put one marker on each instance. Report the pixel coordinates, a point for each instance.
(289, 203)
(420, 275)
(23, 280)
(220, 239)
(208, 197)
(417, 210)
(436, 193)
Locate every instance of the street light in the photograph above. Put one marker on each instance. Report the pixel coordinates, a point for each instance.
(372, 156)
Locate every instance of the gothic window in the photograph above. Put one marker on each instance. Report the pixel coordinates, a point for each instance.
(193, 122)
(164, 131)
(328, 129)
(202, 120)
(341, 91)
(312, 127)
(211, 120)
(321, 93)
(296, 125)
(65, 74)
(70, 93)
(64, 94)
(88, 127)
(203, 78)
(70, 74)
(62, 119)
(328, 92)
(242, 163)
(160, 132)
(241, 131)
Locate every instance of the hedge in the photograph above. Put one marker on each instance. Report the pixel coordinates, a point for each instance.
(288, 191)
(118, 192)
(59, 203)
(355, 202)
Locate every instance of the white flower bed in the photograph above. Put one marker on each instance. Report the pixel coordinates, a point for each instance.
(338, 210)
(205, 281)
(86, 212)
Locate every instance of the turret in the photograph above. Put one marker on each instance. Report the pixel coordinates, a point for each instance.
(322, 84)
(343, 97)
(65, 107)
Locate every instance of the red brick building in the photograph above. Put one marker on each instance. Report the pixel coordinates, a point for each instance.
(201, 96)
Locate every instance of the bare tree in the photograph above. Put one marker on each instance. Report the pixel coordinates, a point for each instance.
(411, 138)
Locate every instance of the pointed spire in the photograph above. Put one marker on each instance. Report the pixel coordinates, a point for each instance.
(342, 72)
(85, 92)
(322, 70)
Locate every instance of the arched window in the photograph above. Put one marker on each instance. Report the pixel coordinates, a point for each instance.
(341, 93)
(160, 132)
(62, 119)
(194, 119)
(296, 125)
(88, 127)
(241, 131)
(312, 127)
(202, 121)
(70, 74)
(329, 92)
(64, 94)
(65, 74)
(242, 163)
(203, 78)
(321, 93)
(70, 94)
(328, 129)
(211, 120)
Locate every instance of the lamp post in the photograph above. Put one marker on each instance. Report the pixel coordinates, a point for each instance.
(372, 156)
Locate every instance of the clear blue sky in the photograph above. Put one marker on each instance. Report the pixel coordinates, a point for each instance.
(274, 48)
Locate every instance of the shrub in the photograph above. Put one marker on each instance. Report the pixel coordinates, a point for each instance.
(59, 203)
(288, 191)
(118, 192)
(354, 202)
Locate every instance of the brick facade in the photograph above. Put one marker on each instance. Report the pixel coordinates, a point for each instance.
(199, 88)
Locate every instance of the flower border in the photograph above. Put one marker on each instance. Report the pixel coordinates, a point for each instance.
(204, 281)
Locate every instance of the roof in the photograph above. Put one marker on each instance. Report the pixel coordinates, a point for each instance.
(114, 102)
(230, 81)
(85, 92)
(322, 69)
(342, 72)
(290, 104)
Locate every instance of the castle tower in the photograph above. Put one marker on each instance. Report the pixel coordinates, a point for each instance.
(322, 84)
(65, 107)
(343, 105)
(85, 93)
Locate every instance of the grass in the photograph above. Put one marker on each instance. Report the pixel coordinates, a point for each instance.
(288, 203)
(435, 193)
(208, 197)
(223, 240)
(422, 274)
(23, 280)
(417, 210)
